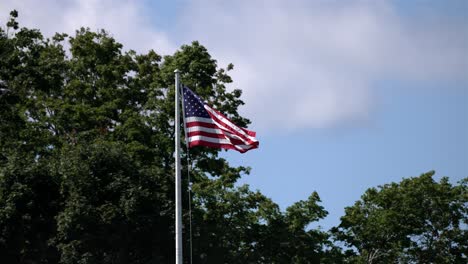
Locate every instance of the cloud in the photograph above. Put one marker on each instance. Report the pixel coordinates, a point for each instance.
(309, 64)
(124, 19)
(302, 64)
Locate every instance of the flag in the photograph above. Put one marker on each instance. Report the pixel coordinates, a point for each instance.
(207, 127)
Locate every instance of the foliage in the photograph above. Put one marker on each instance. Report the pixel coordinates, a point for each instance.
(86, 171)
(86, 160)
(418, 220)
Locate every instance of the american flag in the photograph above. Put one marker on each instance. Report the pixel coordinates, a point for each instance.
(207, 127)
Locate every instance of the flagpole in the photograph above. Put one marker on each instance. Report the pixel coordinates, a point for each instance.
(178, 191)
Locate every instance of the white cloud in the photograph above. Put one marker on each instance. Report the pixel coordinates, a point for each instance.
(123, 19)
(314, 63)
(300, 63)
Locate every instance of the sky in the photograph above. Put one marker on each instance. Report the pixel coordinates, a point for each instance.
(344, 95)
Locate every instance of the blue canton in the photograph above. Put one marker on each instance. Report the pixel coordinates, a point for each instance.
(193, 104)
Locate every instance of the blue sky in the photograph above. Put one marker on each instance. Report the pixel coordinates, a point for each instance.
(412, 132)
(344, 95)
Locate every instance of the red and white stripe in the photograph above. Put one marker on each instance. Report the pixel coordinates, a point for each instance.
(218, 132)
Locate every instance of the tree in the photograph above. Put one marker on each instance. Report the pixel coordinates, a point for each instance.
(86, 160)
(418, 220)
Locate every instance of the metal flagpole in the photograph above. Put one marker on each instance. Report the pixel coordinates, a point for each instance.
(178, 191)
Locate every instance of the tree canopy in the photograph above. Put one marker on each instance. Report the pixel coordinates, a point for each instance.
(86, 161)
(418, 220)
(87, 170)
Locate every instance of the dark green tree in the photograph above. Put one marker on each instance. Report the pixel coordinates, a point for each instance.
(418, 220)
(86, 160)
